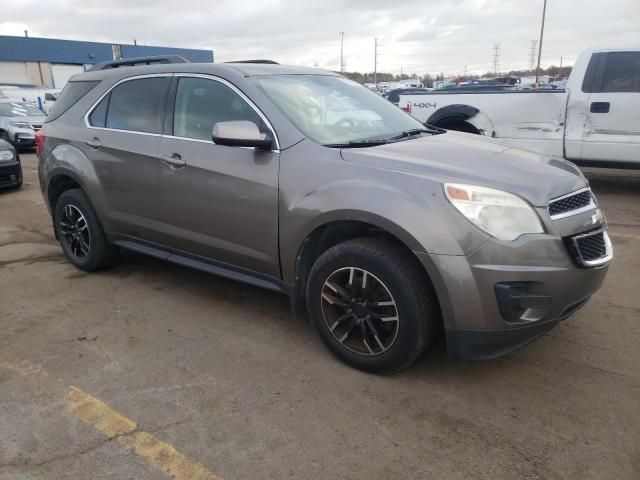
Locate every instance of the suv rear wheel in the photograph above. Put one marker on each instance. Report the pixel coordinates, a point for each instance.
(80, 233)
(371, 305)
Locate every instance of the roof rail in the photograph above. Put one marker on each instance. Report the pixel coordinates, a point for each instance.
(130, 62)
(267, 62)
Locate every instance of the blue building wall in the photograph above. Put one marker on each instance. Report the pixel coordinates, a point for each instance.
(29, 49)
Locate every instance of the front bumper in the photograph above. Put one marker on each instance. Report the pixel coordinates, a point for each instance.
(477, 323)
(10, 174)
(23, 138)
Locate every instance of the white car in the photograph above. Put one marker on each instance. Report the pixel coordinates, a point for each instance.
(594, 120)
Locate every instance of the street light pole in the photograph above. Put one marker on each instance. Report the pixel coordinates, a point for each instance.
(375, 61)
(544, 12)
(341, 52)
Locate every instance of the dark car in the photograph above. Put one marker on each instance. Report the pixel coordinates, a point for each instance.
(10, 169)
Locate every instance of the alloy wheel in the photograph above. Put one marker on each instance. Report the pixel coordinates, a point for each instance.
(75, 231)
(360, 311)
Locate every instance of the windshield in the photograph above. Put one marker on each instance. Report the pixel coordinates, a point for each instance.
(19, 110)
(332, 110)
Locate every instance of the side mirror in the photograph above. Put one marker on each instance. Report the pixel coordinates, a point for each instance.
(240, 133)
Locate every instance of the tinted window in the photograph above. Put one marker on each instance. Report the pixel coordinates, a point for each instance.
(201, 103)
(71, 93)
(138, 105)
(622, 72)
(98, 117)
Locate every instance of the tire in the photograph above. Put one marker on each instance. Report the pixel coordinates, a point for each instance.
(90, 250)
(394, 287)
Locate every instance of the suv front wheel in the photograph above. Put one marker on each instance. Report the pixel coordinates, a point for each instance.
(371, 305)
(80, 233)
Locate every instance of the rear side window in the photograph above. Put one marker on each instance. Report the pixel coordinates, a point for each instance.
(98, 117)
(622, 72)
(70, 94)
(135, 105)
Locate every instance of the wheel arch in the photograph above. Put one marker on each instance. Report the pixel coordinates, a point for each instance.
(328, 232)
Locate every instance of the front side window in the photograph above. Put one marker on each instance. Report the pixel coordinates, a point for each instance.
(332, 110)
(201, 103)
(622, 72)
(135, 105)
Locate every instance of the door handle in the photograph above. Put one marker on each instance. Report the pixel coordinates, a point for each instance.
(599, 107)
(94, 143)
(174, 160)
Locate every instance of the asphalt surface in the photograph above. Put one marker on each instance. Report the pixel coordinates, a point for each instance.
(177, 370)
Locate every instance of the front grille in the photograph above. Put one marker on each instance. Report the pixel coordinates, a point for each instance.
(36, 126)
(592, 247)
(571, 202)
(589, 249)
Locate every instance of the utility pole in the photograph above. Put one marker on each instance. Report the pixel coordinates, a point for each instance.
(465, 72)
(532, 57)
(26, 33)
(341, 52)
(496, 54)
(544, 12)
(375, 61)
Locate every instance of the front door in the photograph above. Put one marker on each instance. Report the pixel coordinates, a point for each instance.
(612, 127)
(218, 202)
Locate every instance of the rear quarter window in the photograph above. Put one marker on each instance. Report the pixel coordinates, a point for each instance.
(70, 94)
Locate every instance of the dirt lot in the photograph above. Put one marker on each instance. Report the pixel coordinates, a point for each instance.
(150, 370)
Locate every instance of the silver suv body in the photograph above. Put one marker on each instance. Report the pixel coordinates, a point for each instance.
(301, 181)
(19, 122)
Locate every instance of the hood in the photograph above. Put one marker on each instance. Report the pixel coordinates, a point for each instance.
(466, 158)
(38, 120)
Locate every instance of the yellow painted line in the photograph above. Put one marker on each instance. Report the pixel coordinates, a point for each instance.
(124, 430)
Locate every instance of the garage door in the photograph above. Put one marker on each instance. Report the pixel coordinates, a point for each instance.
(14, 72)
(62, 73)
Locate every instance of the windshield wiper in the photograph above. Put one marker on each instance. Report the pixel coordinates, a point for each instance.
(370, 142)
(416, 131)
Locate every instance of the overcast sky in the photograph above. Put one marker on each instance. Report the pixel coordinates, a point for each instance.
(417, 36)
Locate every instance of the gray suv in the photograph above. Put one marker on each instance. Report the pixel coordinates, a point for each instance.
(298, 180)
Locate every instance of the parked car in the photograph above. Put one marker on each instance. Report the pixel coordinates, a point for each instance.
(593, 121)
(382, 232)
(41, 97)
(10, 167)
(19, 122)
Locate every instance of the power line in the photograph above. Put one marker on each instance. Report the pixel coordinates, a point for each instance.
(532, 59)
(496, 55)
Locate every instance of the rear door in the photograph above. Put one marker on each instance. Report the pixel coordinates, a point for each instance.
(219, 202)
(612, 126)
(123, 141)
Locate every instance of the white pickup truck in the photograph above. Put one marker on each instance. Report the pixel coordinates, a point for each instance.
(594, 120)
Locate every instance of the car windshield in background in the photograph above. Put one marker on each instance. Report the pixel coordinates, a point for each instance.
(334, 111)
(19, 110)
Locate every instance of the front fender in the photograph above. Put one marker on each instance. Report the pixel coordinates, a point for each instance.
(403, 206)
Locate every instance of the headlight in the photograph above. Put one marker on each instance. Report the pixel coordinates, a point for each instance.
(6, 155)
(500, 214)
(21, 125)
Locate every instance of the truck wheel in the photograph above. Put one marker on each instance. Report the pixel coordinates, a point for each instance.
(371, 305)
(80, 233)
